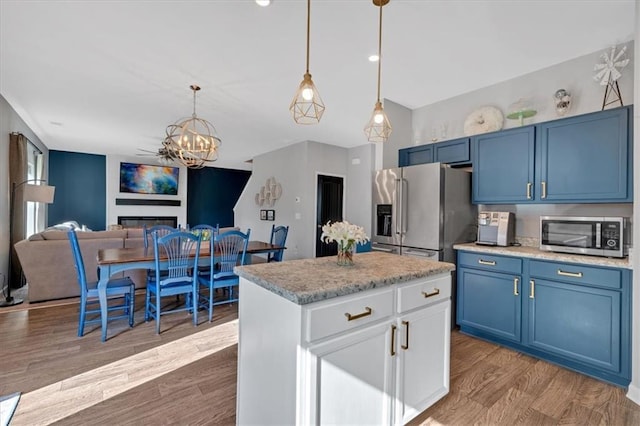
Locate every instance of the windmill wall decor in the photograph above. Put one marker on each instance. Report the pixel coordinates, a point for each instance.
(608, 73)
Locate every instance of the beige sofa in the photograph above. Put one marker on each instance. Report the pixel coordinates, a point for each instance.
(48, 264)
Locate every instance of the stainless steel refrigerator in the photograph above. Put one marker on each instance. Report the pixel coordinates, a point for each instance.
(423, 210)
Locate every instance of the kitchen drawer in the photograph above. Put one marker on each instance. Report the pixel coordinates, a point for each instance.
(510, 265)
(423, 293)
(577, 274)
(330, 317)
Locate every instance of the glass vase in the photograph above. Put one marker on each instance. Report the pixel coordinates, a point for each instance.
(345, 254)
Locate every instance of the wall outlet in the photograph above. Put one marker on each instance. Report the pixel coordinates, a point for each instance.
(298, 216)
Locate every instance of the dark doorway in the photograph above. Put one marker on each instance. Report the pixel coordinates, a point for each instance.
(329, 202)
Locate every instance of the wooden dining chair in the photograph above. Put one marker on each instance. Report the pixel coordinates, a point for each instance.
(116, 288)
(278, 237)
(230, 251)
(179, 251)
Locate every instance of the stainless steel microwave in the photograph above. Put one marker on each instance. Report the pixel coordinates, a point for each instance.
(597, 236)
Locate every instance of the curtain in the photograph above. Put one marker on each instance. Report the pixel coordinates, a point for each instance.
(17, 174)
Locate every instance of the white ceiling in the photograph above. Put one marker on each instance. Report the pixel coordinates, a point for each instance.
(107, 77)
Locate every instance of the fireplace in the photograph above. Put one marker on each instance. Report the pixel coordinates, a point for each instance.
(139, 221)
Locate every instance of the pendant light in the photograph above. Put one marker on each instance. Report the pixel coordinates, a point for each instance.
(192, 141)
(378, 128)
(307, 106)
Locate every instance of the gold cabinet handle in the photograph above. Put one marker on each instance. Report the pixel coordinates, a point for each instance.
(487, 262)
(406, 335)
(515, 286)
(435, 292)
(367, 311)
(570, 274)
(529, 185)
(532, 289)
(393, 339)
(544, 190)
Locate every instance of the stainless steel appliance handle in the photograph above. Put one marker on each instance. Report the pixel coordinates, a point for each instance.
(405, 208)
(420, 253)
(386, 250)
(396, 202)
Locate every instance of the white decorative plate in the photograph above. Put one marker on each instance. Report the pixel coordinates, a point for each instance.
(483, 120)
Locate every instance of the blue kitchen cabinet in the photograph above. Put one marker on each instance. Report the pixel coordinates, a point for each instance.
(455, 152)
(585, 158)
(503, 166)
(581, 159)
(581, 314)
(415, 155)
(574, 315)
(488, 300)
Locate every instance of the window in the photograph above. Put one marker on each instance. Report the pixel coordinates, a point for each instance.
(35, 211)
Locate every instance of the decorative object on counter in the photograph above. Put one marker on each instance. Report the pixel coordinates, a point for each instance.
(347, 236)
(520, 110)
(378, 128)
(608, 73)
(269, 193)
(192, 141)
(483, 120)
(562, 101)
(307, 106)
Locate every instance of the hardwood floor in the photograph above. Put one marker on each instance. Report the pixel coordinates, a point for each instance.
(187, 375)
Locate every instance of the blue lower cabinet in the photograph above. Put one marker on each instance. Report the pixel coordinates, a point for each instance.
(489, 302)
(570, 314)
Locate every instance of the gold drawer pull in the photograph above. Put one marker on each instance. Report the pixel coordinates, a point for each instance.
(544, 189)
(406, 335)
(570, 274)
(393, 340)
(367, 311)
(487, 262)
(435, 292)
(532, 289)
(529, 190)
(515, 287)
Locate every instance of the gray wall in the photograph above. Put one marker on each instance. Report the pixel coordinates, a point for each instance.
(296, 168)
(11, 122)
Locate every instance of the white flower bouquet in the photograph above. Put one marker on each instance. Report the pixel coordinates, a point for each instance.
(347, 236)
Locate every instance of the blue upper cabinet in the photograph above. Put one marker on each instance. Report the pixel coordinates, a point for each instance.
(586, 158)
(454, 152)
(503, 166)
(581, 159)
(415, 155)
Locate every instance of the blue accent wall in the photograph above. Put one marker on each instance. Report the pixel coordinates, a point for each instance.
(81, 189)
(212, 194)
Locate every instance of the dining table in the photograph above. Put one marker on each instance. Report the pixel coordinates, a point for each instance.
(114, 260)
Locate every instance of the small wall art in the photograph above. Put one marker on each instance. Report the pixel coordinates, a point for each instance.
(263, 215)
(269, 193)
(271, 215)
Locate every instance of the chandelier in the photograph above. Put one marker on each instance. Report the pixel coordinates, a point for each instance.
(307, 106)
(378, 128)
(192, 141)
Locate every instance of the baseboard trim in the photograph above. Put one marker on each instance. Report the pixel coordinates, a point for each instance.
(633, 393)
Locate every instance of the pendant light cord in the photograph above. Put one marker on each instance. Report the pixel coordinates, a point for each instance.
(379, 49)
(308, 30)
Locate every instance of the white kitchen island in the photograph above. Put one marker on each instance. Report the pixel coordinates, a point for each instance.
(326, 344)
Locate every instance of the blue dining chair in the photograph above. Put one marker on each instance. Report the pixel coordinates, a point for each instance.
(121, 287)
(161, 230)
(179, 251)
(230, 250)
(278, 237)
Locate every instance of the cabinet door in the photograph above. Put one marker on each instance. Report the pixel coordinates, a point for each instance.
(585, 158)
(423, 344)
(453, 151)
(490, 302)
(415, 155)
(503, 166)
(351, 379)
(576, 322)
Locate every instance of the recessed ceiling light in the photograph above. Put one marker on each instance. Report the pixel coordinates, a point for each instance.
(374, 58)
(263, 3)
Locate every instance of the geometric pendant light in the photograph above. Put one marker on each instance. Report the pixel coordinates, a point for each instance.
(192, 141)
(307, 106)
(378, 128)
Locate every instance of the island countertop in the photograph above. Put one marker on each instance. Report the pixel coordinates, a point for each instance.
(305, 281)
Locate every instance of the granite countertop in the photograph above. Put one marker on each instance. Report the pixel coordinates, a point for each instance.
(305, 281)
(536, 253)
